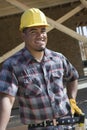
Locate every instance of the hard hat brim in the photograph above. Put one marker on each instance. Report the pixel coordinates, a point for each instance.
(35, 25)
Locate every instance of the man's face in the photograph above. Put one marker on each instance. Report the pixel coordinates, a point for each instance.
(35, 38)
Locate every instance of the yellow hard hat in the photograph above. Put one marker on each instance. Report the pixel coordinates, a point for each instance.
(33, 17)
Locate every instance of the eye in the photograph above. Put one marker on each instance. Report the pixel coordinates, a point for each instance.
(43, 30)
(33, 31)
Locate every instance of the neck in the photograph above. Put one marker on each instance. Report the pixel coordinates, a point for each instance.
(38, 56)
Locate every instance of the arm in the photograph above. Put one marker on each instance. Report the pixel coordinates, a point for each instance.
(71, 79)
(72, 93)
(6, 103)
(72, 89)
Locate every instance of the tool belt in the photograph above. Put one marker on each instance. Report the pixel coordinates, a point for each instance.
(56, 122)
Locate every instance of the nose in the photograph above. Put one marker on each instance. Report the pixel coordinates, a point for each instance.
(39, 34)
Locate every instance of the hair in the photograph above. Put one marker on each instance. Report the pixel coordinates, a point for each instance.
(24, 29)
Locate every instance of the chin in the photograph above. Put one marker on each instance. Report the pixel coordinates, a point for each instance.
(41, 49)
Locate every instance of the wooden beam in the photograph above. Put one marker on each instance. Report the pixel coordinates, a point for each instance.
(12, 52)
(46, 3)
(40, 3)
(68, 15)
(54, 24)
(13, 7)
(18, 4)
(67, 31)
(84, 2)
(9, 11)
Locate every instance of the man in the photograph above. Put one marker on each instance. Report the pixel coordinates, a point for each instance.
(36, 75)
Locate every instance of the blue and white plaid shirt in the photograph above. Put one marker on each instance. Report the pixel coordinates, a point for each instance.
(38, 85)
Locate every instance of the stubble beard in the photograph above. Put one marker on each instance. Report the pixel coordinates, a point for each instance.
(41, 50)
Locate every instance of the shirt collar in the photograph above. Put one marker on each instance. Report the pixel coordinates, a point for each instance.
(47, 55)
(27, 54)
(29, 57)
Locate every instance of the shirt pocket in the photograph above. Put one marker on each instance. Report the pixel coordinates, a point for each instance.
(57, 81)
(31, 86)
(57, 74)
(33, 90)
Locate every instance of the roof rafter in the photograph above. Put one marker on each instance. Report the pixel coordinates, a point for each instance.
(55, 24)
(18, 4)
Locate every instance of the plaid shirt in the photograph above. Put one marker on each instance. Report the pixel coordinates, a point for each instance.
(39, 86)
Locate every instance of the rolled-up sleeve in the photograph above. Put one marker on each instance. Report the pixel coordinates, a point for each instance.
(8, 81)
(70, 72)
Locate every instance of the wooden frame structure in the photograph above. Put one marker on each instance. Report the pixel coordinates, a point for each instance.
(54, 24)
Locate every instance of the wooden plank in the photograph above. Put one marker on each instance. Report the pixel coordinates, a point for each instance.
(39, 3)
(18, 4)
(68, 15)
(46, 3)
(84, 2)
(54, 24)
(67, 31)
(75, 35)
(22, 127)
(12, 52)
(12, 7)
(9, 11)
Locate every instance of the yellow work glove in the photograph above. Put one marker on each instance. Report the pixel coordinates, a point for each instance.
(74, 107)
(76, 110)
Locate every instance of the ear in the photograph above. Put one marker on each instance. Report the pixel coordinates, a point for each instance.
(23, 35)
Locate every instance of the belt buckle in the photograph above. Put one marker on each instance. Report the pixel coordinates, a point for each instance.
(55, 123)
(45, 123)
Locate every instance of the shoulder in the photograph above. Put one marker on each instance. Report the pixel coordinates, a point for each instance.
(14, 59)
(54, 54)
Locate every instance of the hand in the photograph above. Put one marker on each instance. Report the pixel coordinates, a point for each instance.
(74, 107)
